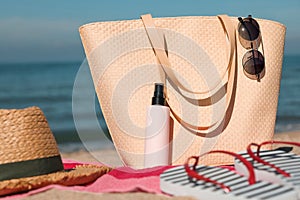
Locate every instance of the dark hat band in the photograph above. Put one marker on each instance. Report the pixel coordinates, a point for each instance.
(30, 168)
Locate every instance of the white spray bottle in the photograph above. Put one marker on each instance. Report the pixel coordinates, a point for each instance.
(157, 140)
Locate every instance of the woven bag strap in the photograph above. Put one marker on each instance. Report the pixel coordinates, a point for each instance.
(158, 46)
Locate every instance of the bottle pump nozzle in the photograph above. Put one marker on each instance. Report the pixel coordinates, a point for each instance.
(159, 97)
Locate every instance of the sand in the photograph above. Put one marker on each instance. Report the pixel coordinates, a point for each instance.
(73, 195)
(110, 157)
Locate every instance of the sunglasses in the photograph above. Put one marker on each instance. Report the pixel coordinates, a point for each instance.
(250, 38)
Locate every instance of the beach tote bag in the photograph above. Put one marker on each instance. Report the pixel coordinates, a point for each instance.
(214, 104)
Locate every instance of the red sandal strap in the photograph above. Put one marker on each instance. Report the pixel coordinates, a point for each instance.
(193, 174)
(260, 160)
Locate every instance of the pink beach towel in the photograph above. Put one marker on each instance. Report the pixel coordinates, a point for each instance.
(121, 179)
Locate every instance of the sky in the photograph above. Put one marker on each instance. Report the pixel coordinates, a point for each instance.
(47, 30)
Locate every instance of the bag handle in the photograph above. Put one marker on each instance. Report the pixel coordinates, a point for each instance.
(158, 46)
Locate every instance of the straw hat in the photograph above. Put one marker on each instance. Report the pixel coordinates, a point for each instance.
(29, 157)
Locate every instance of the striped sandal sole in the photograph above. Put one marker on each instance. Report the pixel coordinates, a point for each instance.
(284, 160)
(177, 182)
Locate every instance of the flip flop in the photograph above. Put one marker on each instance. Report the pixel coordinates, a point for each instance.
(208, 182)
(276, 166)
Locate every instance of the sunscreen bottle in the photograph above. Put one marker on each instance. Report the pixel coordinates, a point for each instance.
(157, 138)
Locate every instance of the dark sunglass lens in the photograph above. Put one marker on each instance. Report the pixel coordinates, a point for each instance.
(253, 63)
(249, 33)
(249, 29)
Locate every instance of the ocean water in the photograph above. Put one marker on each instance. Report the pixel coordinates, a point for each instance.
(50, 86)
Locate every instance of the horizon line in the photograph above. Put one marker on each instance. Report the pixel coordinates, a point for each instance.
(78, 61)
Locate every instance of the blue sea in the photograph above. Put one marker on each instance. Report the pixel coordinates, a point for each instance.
(50, 87)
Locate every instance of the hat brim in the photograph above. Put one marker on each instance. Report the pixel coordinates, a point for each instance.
(81, 174)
